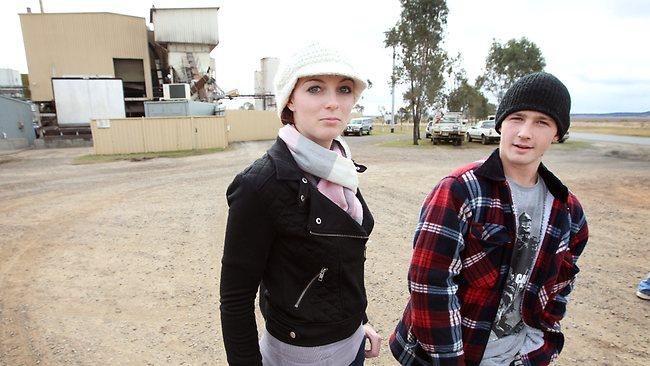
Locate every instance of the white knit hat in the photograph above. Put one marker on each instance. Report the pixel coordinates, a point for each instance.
(314, 59)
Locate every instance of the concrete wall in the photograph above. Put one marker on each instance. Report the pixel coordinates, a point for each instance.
(13, 144)
(136, 135)
(80, 44)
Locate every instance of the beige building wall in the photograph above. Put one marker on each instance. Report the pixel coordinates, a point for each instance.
(244, 125)
(80, 44)
(137, 135)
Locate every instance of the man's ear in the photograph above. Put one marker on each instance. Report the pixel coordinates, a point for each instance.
(556, 138)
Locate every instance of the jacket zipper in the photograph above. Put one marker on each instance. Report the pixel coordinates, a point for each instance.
(319, 276)
(340, 235)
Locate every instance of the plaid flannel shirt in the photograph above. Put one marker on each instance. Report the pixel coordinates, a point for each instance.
(462, 249)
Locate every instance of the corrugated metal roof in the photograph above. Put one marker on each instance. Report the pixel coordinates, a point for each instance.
(154, 9)
(15, 100)
(83, 12)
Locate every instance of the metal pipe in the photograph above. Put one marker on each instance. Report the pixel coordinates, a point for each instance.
(392, 108)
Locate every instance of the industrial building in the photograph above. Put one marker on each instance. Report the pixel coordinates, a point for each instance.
(86, 45)
(99, 57)
(183, 39)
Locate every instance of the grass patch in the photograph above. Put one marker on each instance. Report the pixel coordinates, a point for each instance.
(569, 145)
(607, 130)
(407, 142)
(96, 159)
(424, 143)
(399, 130)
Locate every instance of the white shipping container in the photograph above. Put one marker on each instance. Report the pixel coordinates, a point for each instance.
(80, 100)
(10, 78)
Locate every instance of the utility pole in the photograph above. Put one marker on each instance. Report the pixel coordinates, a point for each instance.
(392, 108)
(40, 2)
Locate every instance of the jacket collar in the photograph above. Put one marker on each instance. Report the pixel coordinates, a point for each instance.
(285, 166)
(287, 169)
(492, 168)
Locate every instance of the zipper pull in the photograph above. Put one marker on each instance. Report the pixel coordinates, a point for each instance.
(322, 274)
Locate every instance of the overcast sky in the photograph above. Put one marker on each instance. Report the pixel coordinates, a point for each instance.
(597, 48)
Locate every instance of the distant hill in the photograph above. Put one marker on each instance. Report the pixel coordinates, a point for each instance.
(616, 115)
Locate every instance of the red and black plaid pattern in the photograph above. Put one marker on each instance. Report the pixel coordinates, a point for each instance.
(461, 255)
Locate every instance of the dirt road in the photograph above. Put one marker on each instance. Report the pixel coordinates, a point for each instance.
(118, 263)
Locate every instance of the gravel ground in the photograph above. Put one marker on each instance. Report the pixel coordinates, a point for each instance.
(118, 263)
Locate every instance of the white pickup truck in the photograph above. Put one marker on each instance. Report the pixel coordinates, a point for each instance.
(484, 131)
(449, 129)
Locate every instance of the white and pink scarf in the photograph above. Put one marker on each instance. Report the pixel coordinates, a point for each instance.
(337, 172)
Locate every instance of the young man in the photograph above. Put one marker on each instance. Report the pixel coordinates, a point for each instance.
(495, 251)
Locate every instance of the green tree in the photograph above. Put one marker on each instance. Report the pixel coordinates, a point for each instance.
(508, 62)
(417, 39)
(469, 100)
(403, 114)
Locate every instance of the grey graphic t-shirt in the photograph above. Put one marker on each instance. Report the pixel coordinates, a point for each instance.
(529, 208)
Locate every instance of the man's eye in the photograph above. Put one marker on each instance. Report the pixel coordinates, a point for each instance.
(345, 89)
(545, 123)
(313, 89)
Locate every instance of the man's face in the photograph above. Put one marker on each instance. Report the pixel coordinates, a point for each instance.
(525, 137)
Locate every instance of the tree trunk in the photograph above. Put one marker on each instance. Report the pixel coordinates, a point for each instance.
(416, 122)
(416, 131)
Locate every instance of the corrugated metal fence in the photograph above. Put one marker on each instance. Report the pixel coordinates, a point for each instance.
(245, 125)
(136, 135)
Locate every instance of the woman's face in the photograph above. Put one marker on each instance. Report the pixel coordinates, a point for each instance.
(321, 107)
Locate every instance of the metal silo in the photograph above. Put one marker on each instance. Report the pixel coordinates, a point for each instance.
(269, 67)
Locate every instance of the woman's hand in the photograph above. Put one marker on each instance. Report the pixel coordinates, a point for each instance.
(375, 341)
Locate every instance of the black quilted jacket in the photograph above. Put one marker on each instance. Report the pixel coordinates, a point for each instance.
(304, 252)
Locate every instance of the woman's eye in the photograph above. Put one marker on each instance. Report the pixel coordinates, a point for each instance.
(345, 89)
(313, 89)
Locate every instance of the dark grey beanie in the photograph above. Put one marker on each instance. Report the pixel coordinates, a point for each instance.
(541, 92)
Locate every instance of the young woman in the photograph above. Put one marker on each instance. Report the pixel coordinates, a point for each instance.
(297, 229)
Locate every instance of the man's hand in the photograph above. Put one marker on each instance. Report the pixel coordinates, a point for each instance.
(375, 341)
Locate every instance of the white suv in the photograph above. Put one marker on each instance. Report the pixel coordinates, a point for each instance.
(359, 126)
(484, 131)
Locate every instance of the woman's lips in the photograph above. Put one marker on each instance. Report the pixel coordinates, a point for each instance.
(331, 121)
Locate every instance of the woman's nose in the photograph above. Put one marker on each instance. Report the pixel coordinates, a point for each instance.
(332, 101)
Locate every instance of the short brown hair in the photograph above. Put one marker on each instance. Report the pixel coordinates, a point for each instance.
(287, 116)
